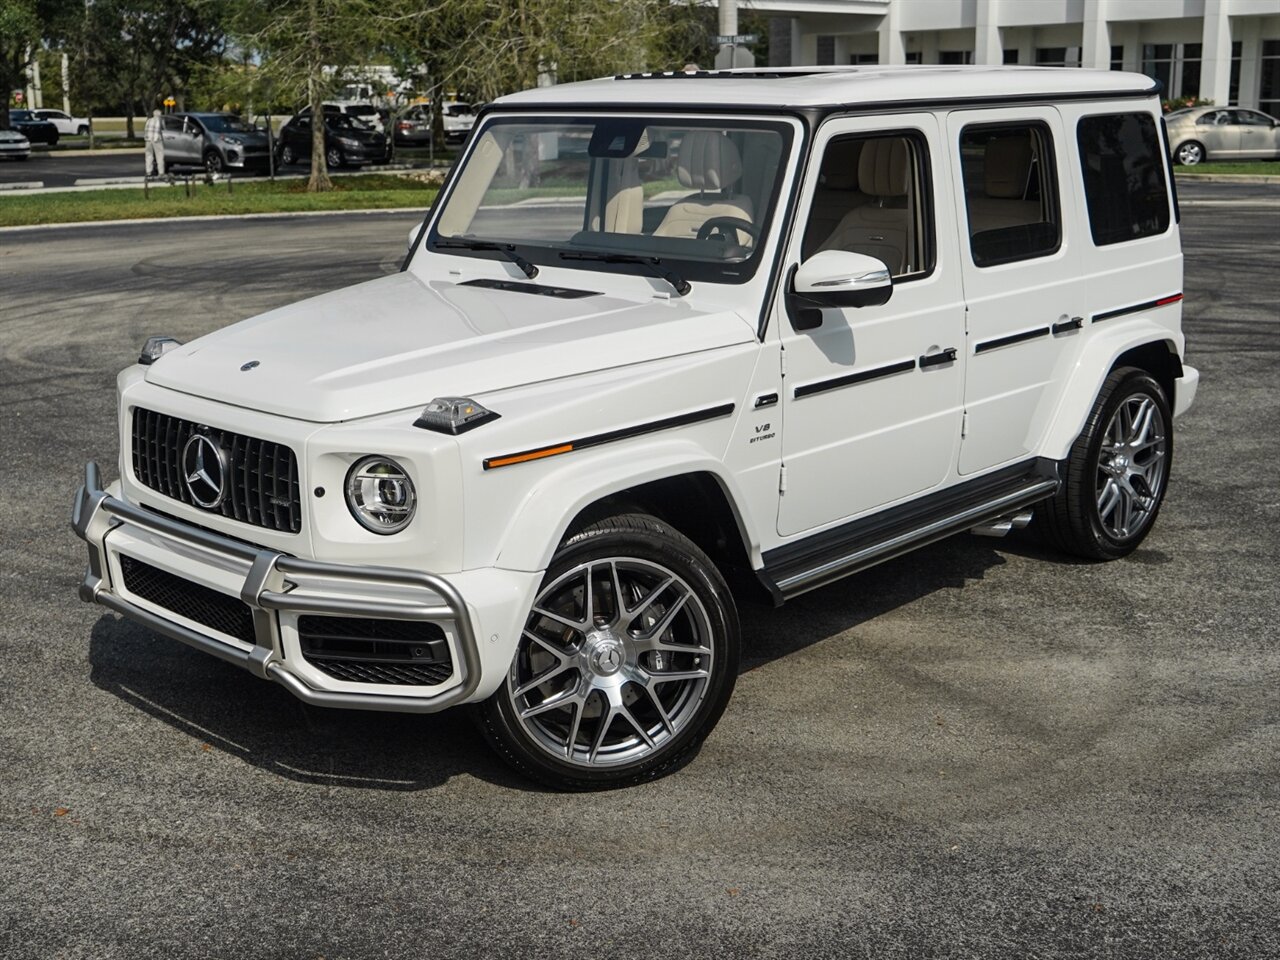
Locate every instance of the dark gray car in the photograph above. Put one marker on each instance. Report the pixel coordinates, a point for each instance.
(215, 141)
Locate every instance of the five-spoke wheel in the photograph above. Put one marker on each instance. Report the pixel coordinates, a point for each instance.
(625, 661)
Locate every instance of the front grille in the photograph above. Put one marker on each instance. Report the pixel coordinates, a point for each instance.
(262, 485)
(370, 650)
(217, 611)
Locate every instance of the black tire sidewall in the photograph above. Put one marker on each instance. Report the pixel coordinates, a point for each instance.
(1128, 384)
(286, 156)
(644, 538)
(213, 161)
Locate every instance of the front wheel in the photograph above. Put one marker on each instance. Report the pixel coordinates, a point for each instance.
(625, 663)
(213, 161)
(333, 158)
(1189, 154)
(1117, 471)
(287, 156)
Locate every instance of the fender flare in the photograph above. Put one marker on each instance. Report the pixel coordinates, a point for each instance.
(538, 526)
(1092, 367)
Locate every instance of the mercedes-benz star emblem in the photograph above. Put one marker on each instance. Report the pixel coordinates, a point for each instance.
(204, 464)
(248, 366)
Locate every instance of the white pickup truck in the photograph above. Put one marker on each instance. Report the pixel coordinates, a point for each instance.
(658, 327)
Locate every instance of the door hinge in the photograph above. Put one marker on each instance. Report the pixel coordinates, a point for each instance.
(782, 479)
(964, 424)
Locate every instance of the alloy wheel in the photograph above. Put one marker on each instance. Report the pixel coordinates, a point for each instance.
(1131, 467)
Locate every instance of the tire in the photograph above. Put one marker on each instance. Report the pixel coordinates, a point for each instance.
(333, 158)
(213, 161)
(1190, 153)
(618, 722)
(287, 157)
(82, 131)
(1117, 472)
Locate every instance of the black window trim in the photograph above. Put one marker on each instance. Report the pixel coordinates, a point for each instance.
(1052, 164)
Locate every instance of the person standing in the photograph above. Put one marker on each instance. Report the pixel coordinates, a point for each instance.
(154, 138)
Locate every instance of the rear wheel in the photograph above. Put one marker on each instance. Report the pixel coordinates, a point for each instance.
(1117, 471)
(625, 662)
(82, 130)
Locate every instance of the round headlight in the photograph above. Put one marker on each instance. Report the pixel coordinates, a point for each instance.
(380, 495)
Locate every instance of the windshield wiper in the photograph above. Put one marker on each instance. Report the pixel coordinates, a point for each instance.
(654, 264)
(507, 249)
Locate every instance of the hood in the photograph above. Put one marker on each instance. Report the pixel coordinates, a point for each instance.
(398, 342)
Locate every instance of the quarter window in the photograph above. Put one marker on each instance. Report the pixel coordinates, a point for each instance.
(871, 199)
(1010, 192)
(1124, 177)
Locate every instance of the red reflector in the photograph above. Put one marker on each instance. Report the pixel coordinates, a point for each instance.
(1173, 299)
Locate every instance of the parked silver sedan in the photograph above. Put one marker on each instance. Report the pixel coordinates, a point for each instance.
(13, 144)
(1223, 133)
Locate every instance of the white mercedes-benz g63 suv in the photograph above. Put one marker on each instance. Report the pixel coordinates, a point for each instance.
(658, 328)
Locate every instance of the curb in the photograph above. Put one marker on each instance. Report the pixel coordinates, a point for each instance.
(1228, 177)
(362, 211)
(104, 152)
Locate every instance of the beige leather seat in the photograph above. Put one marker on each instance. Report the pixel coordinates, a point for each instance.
(1006, 172)
(708, 162)
(837, 193)
(882, 227)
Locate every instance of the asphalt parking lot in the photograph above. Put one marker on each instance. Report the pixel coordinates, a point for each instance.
(977, 750)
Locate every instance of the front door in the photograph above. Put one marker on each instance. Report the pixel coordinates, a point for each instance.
(1026, 305)
(872, 395)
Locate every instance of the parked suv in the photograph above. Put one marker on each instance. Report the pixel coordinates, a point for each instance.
(657, 331)
(215, 141)
(67, 125)
(347, 142)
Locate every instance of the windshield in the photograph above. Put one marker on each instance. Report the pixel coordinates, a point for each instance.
(458, 110)
(340, 121)
(226, 124)
(362, 110)
(699, 195)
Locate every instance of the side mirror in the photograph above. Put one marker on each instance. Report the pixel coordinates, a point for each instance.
(842, 278)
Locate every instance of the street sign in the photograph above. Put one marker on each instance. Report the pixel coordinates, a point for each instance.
(738, 39)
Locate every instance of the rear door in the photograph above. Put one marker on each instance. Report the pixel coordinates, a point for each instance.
(1021, 276)
(1259, 137)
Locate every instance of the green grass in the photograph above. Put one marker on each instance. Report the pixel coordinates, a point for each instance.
(365, 191)
(1265, 167)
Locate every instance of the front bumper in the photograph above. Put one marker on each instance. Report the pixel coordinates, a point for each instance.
(277, 588)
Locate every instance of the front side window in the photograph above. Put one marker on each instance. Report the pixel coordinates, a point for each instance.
(1010, 192)
(870, 199)
(1124, 177)
(697, 194)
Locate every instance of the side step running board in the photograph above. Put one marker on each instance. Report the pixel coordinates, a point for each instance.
(815, 561)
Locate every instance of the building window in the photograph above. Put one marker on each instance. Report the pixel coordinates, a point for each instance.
(1124, 177)
(866, 59)
(955, 56)
(826, 51)
(1175, 65)
(1117, 57)
(1057, 56)
(1269, 78)
(1010, 192)
(913, 56)
(1010, 56)
(1233, 93)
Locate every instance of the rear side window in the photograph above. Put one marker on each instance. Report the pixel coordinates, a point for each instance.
(1010, 192)
(1124, 177)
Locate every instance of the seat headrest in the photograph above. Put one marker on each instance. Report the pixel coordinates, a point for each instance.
(840, 165)
(1006, 163)
(708, 160)
(884, 167)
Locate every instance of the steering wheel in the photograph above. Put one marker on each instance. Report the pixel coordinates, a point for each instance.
(724, 226)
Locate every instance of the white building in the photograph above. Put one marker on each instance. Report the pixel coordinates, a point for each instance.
(1227, 51)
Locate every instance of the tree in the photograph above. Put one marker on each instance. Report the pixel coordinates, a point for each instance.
(303, 45)
(19, 32)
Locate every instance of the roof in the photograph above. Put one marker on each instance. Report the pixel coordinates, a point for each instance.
(798, 87)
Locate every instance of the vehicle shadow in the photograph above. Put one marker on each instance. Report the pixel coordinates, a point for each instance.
(223, 706)
(259, 722)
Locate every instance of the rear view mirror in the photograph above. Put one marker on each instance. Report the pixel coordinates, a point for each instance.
(842, 278)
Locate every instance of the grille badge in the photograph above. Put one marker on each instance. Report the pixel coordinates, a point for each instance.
(204, 465)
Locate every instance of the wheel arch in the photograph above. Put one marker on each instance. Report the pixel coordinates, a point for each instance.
(680, 485)
(1146, 345)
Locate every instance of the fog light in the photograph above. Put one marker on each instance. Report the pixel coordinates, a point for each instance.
(380, 495)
